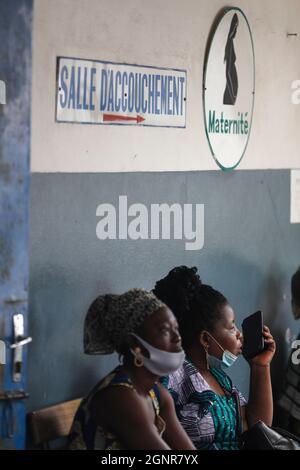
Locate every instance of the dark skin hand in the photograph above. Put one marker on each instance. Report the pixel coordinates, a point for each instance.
(227, 336)
(128, 412)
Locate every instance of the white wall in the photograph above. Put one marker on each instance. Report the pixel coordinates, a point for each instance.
(161, 33)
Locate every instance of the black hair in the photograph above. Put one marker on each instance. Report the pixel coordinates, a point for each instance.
(295, 287)
(196, 306)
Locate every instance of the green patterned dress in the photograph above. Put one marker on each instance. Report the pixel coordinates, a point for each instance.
(210, 420)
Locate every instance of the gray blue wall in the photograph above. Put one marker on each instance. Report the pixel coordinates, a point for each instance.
(250, 252)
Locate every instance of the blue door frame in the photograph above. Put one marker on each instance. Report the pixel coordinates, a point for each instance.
(15, 77)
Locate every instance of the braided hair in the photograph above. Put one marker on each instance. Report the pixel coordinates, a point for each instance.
(295, 287)
(196, 306)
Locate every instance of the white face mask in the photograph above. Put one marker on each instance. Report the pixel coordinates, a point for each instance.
(228, 359)
(160, 362)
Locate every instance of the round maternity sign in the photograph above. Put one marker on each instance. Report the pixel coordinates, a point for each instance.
(228, 88)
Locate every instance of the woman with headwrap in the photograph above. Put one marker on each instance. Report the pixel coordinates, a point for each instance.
(129, 409)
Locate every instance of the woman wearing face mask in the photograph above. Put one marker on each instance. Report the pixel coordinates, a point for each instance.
(129, 409)
(206, 401)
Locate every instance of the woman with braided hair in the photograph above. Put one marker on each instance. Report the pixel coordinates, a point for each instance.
(206, 401)
(129, 408)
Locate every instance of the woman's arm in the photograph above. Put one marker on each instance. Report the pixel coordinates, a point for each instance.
(125, 413)
(174, 435)
(260, 403)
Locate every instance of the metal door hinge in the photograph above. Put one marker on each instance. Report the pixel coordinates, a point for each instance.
(17, 346)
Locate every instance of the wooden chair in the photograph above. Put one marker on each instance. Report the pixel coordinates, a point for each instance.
(53, 422)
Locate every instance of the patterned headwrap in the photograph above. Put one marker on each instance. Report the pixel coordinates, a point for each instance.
(111, 318)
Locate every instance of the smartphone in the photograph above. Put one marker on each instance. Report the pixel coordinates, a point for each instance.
(253, 335)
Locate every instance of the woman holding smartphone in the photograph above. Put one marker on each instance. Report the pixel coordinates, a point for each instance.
(206, 401)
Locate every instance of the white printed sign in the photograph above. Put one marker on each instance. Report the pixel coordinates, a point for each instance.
(295, 196)
(228, 91)
(2, 92)
(96, 92)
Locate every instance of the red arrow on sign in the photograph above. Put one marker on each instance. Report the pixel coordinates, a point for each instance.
(119, 117)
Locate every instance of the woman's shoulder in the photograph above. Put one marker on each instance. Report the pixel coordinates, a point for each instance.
(184, 372)
(185, 382)
(176, 378)
(116, 377)
(112, 384)
(116, 398)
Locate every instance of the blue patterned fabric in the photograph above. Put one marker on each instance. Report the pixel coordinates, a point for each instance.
(85, 434)
(209, 419)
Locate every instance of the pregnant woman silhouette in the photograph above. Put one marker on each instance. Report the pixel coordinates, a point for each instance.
(231, 89)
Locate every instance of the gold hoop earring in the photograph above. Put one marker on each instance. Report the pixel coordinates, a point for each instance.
(138, 359)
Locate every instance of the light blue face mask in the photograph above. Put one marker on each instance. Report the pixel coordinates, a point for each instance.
(228, 359)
